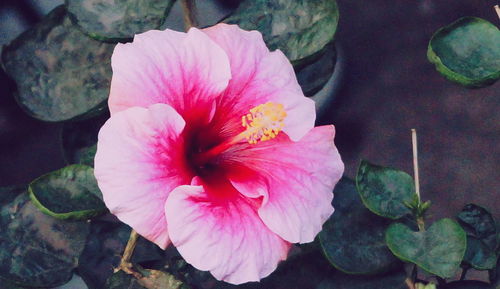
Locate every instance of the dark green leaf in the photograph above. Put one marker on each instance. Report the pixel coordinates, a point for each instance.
(478, 255)
(304, 270)
(467, 52)
(482, 239)
(153, 279)
(112, 20)
(68, 193)
(478, 222)
(494, 275)
(467, 284)
(8, 194)
(35, 249)
(438, 250)
(301, 29)
(6, 284)
(61, 74)
(353, 239)
(79, 140)
(394, 280)
(315, 75)
(385, 191)
(104, 248)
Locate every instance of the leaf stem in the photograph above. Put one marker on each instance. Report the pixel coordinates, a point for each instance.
(189, 12)
(125, 264)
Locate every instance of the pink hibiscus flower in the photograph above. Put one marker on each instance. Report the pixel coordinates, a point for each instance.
(211, 146)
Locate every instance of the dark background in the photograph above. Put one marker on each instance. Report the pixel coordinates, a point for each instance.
(387, 88)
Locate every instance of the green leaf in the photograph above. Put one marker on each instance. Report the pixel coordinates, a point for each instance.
(153, 279)
(37, 250)
(467, 52)
(478, 222)
(8, 194)
(478, 255)
(105, 245)
(353, 239)
(482, 237)
(68, 193)
(79, 140)
(301, 29)
(385, 191)
(394, 280)
(6, 284)
(438, 250)
(112, 20)
(467, 284)
(61, 74)
(313, 77)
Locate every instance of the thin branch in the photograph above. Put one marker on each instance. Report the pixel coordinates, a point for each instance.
(189, 12)
(409, 283)
(125, 264)
(415, 162)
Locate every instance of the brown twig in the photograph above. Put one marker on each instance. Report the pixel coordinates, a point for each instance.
(125, 264)
(189, 12)
(409, 283)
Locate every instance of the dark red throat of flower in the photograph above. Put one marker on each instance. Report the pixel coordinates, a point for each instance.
(263, 122)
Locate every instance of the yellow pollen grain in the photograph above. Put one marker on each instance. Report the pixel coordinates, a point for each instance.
(264, 122)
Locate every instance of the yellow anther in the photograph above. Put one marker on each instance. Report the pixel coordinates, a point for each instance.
(264, 122)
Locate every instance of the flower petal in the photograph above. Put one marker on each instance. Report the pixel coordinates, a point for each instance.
(139, 160)
(183, 70)
(295, 179)
(217, 230)
(258, 76)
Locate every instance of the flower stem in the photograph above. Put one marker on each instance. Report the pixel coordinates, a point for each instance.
(189, 11)
(125, 264)
(415, 162)
(420, 218)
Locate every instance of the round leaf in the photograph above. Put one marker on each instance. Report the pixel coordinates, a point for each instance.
(79, 140)
(8, 194)
(467, 284)
(478, 255)
(353, 238)
(467, 52)
(385, 191)
(315, 75)
(113, 20)
(68, 193)
(478, 222)
(37, 250)
(482, 237)
(438, 250)
(61, 74)
(300, 29)
(387, 281)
